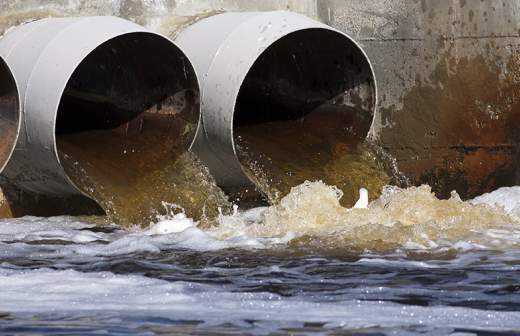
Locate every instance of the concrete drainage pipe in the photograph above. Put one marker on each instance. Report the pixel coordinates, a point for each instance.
(9, 113)
(281, 93)
(105, 101)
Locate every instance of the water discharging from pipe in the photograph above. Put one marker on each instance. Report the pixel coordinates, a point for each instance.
(285, 99)
(9, 113)
(124, 124)
(303, 113)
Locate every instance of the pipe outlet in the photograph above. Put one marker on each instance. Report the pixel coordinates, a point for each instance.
(281, 92)
(104, 101)
(9, 113)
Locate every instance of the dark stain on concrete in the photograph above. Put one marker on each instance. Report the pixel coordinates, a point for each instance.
(462, 131)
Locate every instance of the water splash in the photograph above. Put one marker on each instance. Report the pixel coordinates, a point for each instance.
(132, 177)
(311, 215)
(295, 152)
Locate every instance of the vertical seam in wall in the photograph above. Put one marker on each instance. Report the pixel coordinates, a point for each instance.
(314, 5)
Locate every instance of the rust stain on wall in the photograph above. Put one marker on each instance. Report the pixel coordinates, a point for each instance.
(460, 131)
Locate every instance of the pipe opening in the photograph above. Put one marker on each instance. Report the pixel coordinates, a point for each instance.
(303, 109)
(128, 113)
(9, 113)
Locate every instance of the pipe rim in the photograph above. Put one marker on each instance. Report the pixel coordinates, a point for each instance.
(14, 140)
(105, 29)
(294, 23)
(359, 48)
(149, 33)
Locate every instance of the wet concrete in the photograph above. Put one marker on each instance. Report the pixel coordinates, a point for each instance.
(461, 126)
(448, 80)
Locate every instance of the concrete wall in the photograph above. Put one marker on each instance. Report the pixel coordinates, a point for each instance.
(165, 16)
(448, 73)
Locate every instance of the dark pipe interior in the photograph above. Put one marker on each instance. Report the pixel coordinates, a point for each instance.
(128, 111)
(123, 78)
(9, 113)
(308, 71)
(308, 97)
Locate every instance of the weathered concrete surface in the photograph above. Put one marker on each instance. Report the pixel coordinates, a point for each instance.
(448, 77)
(447, 70)
(164, 16)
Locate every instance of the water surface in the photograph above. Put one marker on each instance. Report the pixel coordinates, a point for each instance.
(246, 275)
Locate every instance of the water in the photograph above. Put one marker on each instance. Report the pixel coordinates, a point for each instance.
(409, 264)
(279, 155)
(133, 170)
(6, 147)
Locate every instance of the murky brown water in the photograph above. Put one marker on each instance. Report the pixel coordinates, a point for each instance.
(283, 154)
(311, 217)
(6, 146)
(141, 170)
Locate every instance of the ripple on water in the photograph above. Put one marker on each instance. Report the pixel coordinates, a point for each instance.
(80, 275)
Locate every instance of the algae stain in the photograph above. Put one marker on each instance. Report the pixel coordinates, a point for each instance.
(8, 20)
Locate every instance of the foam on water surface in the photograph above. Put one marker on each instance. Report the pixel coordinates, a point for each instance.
(507, 198)
(401, 218)
(310, 216)
(69, 291)
(253, 270)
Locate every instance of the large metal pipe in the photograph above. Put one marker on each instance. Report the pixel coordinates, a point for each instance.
(262, 67)
(9, 113)
(87, 74)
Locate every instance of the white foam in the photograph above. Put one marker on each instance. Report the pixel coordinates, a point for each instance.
(312, 209)
(18, 237)
(254, 215)
(396, 263)
(69, 291)
(507, 198)
(29, 224)
(178, 223)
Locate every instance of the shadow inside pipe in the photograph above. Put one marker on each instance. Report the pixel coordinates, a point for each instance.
(9, 113)
(125, 121)
(303, 112)
(19, 202)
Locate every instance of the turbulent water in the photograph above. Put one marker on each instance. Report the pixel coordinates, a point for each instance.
(132, 170)
(6, 146)
(294, 152)
(114, 173)
(408, 264)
